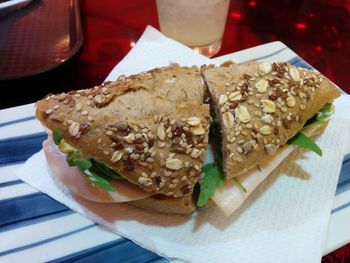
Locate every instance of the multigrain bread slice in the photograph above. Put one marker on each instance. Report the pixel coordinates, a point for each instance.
(260, 106)
(151, 128)
(168, 205)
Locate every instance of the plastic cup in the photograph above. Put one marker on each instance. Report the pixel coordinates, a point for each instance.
(198, 24)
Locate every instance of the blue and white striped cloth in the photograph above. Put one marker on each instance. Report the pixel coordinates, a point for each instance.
(34, 227)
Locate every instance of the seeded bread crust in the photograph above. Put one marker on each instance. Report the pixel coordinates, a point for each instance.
(151, 128)
(260, 106)
(169, 205)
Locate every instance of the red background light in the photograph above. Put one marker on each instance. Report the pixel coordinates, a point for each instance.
(318, 48)
(236, 15)
(300, 26)
(252, 3)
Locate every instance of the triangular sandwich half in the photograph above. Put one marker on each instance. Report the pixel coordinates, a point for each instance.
(260, 106)
(151, 129)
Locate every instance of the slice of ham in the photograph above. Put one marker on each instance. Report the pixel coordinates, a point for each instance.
(77, 182)
(230, 197)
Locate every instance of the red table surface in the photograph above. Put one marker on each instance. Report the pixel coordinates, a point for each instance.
(319, 31)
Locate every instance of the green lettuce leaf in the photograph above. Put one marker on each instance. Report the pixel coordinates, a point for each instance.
(322, 115)
(303, 141)
(90, 169)
(239, 184)
(57, 136)
(83, 164)
(103, 169)
(72, 157)
(99, 181)
(211, 180)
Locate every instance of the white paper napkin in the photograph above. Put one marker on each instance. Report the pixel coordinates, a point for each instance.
(153, 50)
(284, 221)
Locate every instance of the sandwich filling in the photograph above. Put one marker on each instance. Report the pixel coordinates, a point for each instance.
(85, 178)
(96, 172)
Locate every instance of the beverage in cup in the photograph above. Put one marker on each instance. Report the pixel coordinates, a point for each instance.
(198, 24)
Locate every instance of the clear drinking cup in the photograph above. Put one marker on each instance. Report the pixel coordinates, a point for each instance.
(198, 24)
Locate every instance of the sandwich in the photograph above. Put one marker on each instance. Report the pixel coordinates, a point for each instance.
(143, 135)
(142, 139)
(262, 110)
